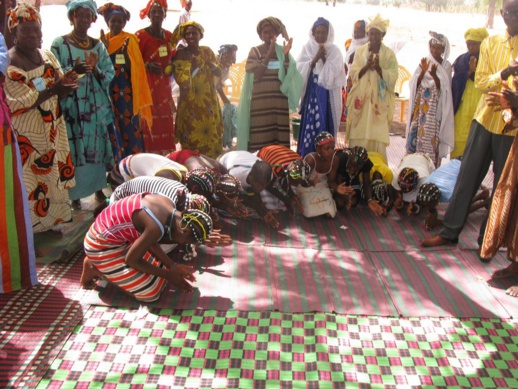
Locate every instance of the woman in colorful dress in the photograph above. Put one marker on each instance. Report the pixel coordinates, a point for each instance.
(321, 65)
(371, 100)
(157, 52)
(199, 125)
(88, 110)
(271, 89)
(430, 128)
(34, 84)
(130, 92)
(17, 257)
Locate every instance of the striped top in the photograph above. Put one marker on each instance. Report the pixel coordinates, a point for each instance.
(495, 54)
(159, 185)
(114, 223)
(278, 156)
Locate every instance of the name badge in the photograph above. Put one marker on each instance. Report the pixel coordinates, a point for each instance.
(120, 59)
(39, 84)
(274, 64)
(162, 51)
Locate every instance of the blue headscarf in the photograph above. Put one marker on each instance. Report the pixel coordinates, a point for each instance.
(72, 5)
(320, 22)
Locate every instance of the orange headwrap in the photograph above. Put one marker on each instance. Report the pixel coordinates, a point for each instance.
(145, 12)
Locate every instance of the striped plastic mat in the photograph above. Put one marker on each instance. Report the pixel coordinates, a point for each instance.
(233, 349)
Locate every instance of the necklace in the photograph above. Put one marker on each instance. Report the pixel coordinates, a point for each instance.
(159, 35)
(85, 42)
(27, 56)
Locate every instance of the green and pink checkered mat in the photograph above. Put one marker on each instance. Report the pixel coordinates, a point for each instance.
(213, 349)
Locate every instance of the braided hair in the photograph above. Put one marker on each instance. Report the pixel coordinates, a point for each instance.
(408, 179)
(429, 194)
(298, 170)
(197, 201)
(357, 158)
(323, 138)
(228, 186)
(380, 191)
(199, 222)
(201, 181)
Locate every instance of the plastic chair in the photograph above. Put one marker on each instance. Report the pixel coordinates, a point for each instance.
(403, 76)
(234, 83)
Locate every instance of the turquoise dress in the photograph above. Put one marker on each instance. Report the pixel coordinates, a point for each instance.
(89, 118)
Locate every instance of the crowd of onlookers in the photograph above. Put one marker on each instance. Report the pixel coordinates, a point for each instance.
(92, 111)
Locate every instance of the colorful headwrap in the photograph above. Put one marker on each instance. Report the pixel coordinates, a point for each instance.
(276, 24)
(198, 222)
(197, 201)
(145, 12)
(320, 22)
(358, 155)
(380, 191)
(476, 34)
(428, 193)
(360, 23)
(408, 179)
(72, 5)
(110, 9)
(226, 48)
(229, 187)
(438, 39)
(179, 31)
(299, 169)
(201, 181)
(378, 23)
(323, 138)
(22, 13)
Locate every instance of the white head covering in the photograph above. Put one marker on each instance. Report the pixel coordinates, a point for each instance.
(378, 23)
(355, 43)
(440, 39)
(331, 74)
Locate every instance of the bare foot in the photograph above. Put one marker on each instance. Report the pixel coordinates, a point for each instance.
(509, 271)
(512, 291)
(90, 275)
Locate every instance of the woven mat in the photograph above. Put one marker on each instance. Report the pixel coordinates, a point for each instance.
(36, 322)
(213, 349)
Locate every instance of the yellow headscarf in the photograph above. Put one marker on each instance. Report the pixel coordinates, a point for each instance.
(476, 34)
(179, 31)
(378, 23)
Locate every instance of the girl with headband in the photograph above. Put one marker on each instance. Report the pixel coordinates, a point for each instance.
(131, 257)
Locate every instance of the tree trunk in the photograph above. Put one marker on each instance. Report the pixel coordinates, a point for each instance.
(491, 13)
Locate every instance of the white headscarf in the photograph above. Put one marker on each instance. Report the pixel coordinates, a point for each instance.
(355, 43)
(445, 103)
(331, 74)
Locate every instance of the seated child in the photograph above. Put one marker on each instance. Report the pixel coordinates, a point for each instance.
(318, 199)
(355, 170)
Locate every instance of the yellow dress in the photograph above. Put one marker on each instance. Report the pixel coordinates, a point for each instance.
(199, 125)
(464, 117)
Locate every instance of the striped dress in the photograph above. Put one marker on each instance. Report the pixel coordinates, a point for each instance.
(159, 185)
(278, 157)
(17, 258)
(107, 243)
(269, 110)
